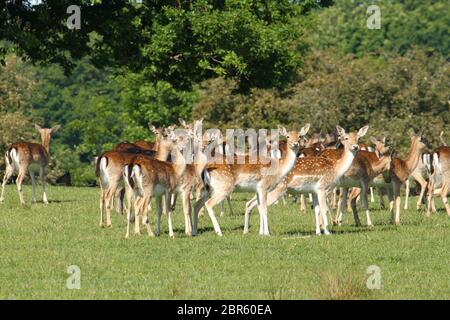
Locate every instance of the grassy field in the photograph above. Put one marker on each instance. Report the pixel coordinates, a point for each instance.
(39, 242)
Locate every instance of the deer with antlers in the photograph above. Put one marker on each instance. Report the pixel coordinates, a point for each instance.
(316, 175)
(32, 157)
(222, 179)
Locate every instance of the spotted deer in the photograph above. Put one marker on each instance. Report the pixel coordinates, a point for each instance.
(32, 157)
(365, 167)
(151, 178)
(317, 175)
(222, 179)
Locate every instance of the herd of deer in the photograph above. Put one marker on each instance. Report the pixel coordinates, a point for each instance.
(137, 172)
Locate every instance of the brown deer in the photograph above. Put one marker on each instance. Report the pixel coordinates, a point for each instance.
(222, 179)
(401, 170)
(316, 175)
(109, 171)
(365, 167)
(150, 178)
(32, 157)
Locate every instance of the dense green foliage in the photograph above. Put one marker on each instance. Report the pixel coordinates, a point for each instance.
(291, 264)
(404, 24)
(236, 63)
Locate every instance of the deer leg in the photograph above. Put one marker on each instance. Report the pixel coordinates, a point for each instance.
(33, 185)
(423, 186)
(372, 198)
(334, 205)
(381, 194)
(222, 208)
(169, 214)
(199, 204)
(323, 208)
(444, 191)
(19, 185)
(102, 205)
(342, 203)
(248, 210)
(430, 196)
(42, 176)
(145, 216)
(138, 211)
(302, 203)
(159, 209)
(215, 199)
(365, 203)
(406, 194)
(8, 173)
(396, 187)
(317, 213)
(187, 212)
(230, 206)
(262, 208)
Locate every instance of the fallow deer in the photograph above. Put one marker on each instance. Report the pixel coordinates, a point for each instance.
(401, 170)
(316, 175)
(222, 179)
(150, 178)
(365, 167)
(109, 171)
(439, 183)
(32, 157)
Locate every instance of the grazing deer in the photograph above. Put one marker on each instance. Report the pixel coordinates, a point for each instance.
(150, 178)
(401, 170)
(31, 157)
(109, 170)
(439, 178)
(222, 179)
(316, 175)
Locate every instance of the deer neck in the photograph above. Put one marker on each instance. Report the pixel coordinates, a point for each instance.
(46, 143)
(163, 151)
(413, 156)
(344, 163)
(179, 163)
(287, 163)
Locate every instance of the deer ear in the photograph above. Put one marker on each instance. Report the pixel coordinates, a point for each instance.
(305, 129)
(56, 128)
(362, 132)
(373, 140)
(340, 131)
(282, 130)
(183, 123)
(37, 127)
(152, 128)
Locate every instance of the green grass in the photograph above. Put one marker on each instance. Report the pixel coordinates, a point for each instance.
(39, 242)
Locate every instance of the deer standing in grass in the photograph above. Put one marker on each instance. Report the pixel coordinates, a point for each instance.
(401, 170)
(439, 183)
(361, 174)
(32, 157)
(150, 178)
(222, 179)
(317, 175)
(109, 171)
